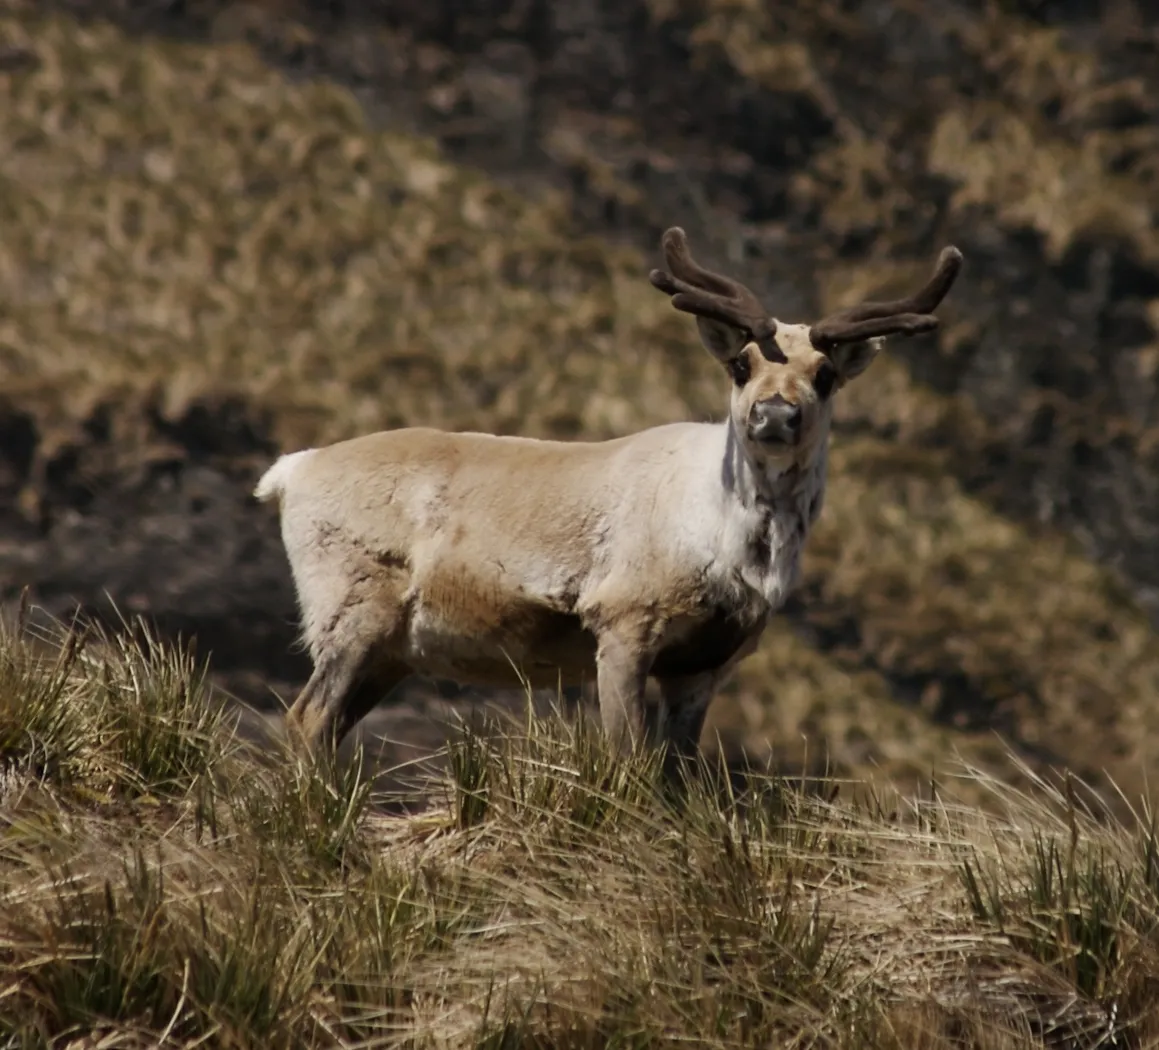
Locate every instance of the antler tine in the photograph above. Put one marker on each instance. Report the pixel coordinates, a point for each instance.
(924, 301)
(907, 316)
(701, 292)
(694, 301)
(678, 255)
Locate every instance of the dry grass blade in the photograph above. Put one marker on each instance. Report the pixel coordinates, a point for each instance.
(558, 898)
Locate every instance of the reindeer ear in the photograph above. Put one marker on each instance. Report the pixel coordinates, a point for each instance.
(721, 340)
(851, 359)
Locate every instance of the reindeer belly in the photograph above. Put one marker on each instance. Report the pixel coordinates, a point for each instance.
(707, 645)
(486, 628)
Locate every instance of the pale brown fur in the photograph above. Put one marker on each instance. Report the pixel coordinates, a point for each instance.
(502, 560)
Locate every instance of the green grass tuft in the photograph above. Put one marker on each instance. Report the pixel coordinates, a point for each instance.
(119, 714)
(312, 806)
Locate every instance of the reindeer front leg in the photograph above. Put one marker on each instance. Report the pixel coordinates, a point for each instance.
(622, 662)
(686, 700)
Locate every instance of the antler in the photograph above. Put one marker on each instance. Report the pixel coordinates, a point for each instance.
(899, 317)
(698, 291)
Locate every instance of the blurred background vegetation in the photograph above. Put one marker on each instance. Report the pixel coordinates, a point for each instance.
(231, 229)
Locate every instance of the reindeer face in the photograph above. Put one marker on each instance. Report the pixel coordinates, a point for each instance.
(782, 394)
(782, 384)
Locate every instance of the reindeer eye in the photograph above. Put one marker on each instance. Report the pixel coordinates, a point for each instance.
(824, 379)
(741, 369)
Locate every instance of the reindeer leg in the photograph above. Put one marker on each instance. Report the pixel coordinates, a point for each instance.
(621, 672)
(342, 690)
(687, 700)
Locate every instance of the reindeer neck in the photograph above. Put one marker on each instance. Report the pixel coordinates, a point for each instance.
(779, 507)
(774, 488)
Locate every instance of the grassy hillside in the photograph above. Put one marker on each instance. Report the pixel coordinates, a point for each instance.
(249, 228)
(162, 884)
(206, 261)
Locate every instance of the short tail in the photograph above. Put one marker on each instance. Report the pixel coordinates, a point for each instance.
(273, 482)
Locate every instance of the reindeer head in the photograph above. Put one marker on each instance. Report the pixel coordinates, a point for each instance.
(784, 375)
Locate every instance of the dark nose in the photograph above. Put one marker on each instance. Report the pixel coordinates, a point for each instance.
(775, 419)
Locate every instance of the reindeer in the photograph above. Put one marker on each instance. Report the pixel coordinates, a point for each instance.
(502, 561)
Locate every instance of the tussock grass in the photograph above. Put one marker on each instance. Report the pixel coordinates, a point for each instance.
(114, 715)
(553, 897)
